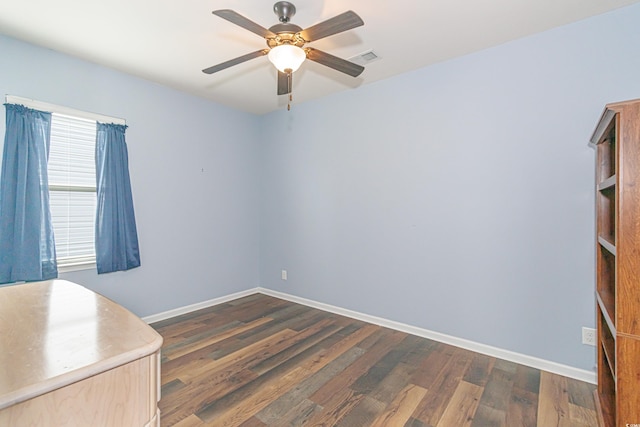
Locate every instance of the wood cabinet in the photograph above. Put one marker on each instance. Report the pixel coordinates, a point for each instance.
(71, 357)
(617, 143)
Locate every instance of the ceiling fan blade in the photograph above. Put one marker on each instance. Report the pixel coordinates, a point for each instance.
(235, 61)
(284, 83)
(247, 24)
(342, 65)
(343, 22)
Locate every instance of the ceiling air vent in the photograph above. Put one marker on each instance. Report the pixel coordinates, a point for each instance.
(365, 58)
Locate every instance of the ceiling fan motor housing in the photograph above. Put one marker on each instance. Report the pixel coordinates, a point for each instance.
(286, 33)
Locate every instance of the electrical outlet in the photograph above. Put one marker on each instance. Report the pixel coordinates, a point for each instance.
(588, 336)
(283, 275)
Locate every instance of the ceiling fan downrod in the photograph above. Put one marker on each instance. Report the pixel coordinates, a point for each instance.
(284, 11)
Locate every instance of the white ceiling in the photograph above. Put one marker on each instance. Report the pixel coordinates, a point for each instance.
(171, 41)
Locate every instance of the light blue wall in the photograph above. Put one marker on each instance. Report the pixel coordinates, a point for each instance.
(193, 171)
(458, 197)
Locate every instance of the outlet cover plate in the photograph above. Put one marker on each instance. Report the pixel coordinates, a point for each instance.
(588, 336)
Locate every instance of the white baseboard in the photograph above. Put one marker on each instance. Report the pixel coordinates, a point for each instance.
(523, 359)
(193, 307)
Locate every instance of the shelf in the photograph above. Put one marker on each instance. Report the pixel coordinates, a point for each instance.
(606, 308)
(606, 213)
(608, 343)
(606, 282)
(607, 183)
(605, 243)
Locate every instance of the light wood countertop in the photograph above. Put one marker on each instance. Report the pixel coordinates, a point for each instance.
(55, 333)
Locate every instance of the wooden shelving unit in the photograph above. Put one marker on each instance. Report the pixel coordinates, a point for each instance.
(617, 143)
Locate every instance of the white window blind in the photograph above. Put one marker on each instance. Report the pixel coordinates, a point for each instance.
(72, 189)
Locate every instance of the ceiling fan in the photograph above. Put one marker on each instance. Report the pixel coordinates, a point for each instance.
(286, 43)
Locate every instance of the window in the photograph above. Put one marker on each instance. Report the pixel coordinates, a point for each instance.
(72, 189)
(72, 181)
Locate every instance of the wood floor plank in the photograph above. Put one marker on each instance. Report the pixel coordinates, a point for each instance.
(318, 333)
(250, 405)
(283, 322)
(222, 348)
(203, 330)
(528, 379)
(479, 370)
(462, 406)
(171, 387)
(398, 412)
(392, 384)
(245, 357)
(204, 342)
(192, 316)
(202, 366)
(443, 387)
(253, 310)
(497, 390)
(582, 416)
(198, 394)
(487, 416)
(362, 365)
(521, 411)
(298, 415)
(305, 388)
(579, 394)
(264, 362)
(191, 421)
(553, 406)
(363, 413)
(340, 347)
(177, 331)
(336, 408)
(200, 354)
(381, 368)
(311, 360)
(246, 299)
(253, 422)
(412, 422)
(524, 398)
(226, 367)
(430, 368)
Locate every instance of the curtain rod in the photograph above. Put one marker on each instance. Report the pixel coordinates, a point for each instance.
(59, 109)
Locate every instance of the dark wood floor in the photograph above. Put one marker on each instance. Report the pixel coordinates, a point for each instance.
(262, 361)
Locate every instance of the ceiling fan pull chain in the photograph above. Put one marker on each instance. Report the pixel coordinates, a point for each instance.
(290, 83)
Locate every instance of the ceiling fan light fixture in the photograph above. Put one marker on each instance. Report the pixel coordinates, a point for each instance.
(287, 58)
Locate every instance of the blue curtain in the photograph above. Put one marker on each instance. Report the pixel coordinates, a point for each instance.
(116, 234)
(27, 249)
